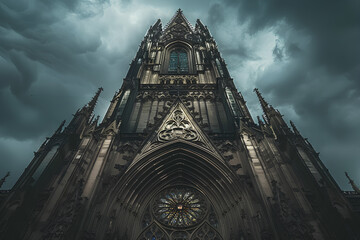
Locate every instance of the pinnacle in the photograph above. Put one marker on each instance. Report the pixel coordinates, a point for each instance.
(294, 128)
(2, 181)
(261, 99)
(60, 127)
(263, 103)
(92, 103)
(179, 15)
(353, 185)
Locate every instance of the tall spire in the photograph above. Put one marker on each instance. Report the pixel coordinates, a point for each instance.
(353, 185)
(264, 104)
(273, 117)
(91, 105)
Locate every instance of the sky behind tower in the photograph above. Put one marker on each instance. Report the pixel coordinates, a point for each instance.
(303, 56)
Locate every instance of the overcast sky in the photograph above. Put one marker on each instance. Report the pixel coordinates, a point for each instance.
(304, 56)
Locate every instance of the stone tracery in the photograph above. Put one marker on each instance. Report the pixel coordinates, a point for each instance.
(178, 127)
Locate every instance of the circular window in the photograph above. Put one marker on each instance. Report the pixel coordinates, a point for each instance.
(180, 207)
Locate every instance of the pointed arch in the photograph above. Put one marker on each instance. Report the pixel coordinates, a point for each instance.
(178, 58)
(205, 231)
(178, 61)
(178, 163)
(153, 232)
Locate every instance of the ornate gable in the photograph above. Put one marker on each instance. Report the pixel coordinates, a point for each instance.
(179, 27)
(177, 126)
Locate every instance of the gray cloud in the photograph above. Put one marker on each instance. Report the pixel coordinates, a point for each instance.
(216, 14)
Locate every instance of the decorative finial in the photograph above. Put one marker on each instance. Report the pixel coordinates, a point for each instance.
(294, 128)
(353, 185)
(4, 178)
(60, 127)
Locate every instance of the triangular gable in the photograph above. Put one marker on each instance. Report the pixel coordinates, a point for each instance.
(112, 128)
(177, 126)
(178, 24)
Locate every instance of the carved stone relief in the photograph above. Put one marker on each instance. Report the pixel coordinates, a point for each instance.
(177, 126)
(228, 151)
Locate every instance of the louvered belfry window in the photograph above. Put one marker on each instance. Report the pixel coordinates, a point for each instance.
(178, 61)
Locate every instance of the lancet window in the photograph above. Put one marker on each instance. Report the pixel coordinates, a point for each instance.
(178, 62)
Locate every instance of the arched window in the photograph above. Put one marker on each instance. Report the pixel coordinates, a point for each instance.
(178, 62)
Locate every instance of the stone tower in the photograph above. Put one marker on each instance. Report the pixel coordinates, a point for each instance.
(177, 156)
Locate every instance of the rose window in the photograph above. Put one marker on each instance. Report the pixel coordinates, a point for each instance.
(180, 207)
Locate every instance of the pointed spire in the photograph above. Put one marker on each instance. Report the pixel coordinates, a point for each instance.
(263, 103)
(60, 127)
(273, 117)
(91, 105)
(294, 128)
(2, 181)
(353, 185)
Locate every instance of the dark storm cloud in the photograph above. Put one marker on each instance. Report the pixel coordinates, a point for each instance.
(241, 52)
(51, 64)
(303, 56)
(316, 70)
(278, 52)
(45, 54)
(216, 14)
(333, 27)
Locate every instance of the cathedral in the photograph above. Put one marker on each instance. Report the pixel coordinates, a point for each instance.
(177, 156)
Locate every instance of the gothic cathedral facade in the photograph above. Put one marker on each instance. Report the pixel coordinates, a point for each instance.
(177, 156)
